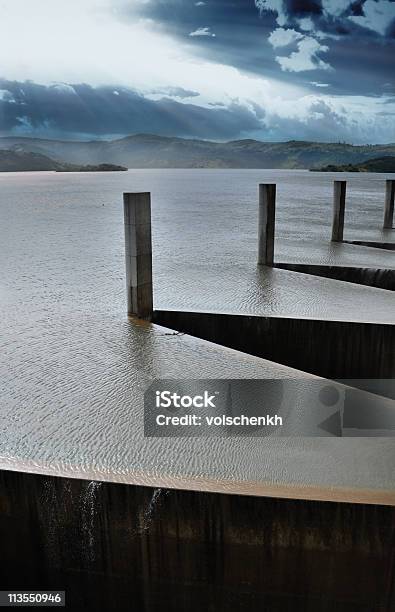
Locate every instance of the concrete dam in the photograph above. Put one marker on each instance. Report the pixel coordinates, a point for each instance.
(163, 549)
(91, 505)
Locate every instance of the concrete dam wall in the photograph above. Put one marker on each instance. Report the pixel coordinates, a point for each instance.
(371, 277)
(118, 547)
(327, 348)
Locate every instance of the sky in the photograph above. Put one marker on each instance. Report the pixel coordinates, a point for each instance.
(273, 70)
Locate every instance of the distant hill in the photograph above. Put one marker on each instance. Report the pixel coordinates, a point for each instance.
(17, 160)
(92, 168)
(20, 161)
(378, 164)
(150, 151)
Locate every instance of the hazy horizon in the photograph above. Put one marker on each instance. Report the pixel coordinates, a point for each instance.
(110, 138)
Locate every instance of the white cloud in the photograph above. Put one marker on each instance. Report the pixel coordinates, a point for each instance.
(200, 3)
(54, 37)
(316, 84)
(282, 37)
(64, 88)
(306, 57)
(326, 117)
(306, 24)
(377, 15)
(202, 32)
(74, 42)
(6, 95)
(335, 7)
(274, 6)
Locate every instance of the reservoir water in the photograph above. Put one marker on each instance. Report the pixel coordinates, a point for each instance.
(73, 367)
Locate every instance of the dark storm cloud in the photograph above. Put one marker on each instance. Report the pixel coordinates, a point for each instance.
(391, 30)
(240, 33)
(81, 111)
(303, 7)
(370, 17)
(72, 111)
(356, 8)
(356, 38)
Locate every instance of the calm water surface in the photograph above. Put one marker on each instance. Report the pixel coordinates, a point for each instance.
(61, 236)
(73, 367)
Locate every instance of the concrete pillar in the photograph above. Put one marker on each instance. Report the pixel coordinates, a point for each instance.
(138, 254)
(389, 204)
(339, 204)
(266, 224)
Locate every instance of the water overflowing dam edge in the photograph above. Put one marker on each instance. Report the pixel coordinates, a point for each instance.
(157, 547)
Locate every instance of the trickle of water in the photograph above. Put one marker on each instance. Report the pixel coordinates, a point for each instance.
(149, 513)
(88, 515)
(50, 512)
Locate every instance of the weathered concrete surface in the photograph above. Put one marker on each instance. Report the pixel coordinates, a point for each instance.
(112, 547)
(389, 204)
(266, 224)
(339, 206)
(138, 254)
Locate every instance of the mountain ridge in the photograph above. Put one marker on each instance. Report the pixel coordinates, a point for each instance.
(153, 151)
